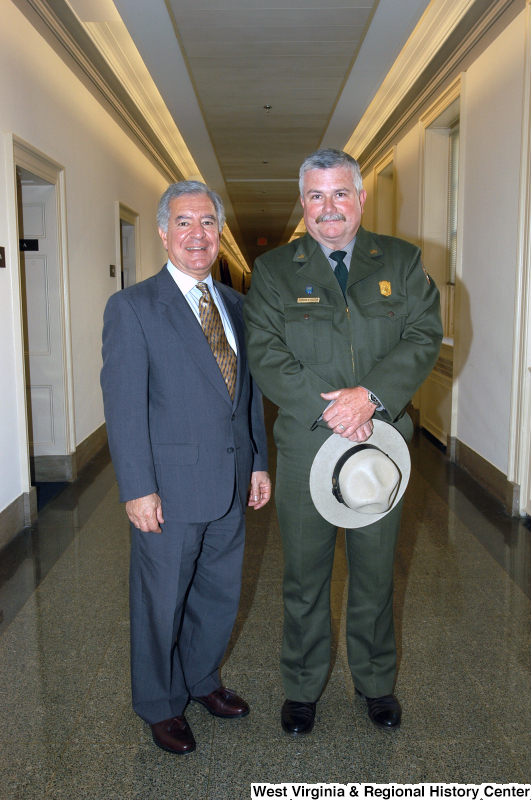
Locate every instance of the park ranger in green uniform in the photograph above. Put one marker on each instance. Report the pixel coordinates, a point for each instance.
(342, 326)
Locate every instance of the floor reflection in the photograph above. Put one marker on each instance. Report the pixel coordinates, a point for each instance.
(463, 618)
(27, 559)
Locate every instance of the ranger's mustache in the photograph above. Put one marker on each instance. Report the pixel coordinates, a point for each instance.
(331, 218)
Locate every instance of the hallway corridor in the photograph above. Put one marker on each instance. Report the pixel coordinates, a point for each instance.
(463, 612)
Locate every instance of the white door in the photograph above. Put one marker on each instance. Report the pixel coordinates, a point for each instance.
(128, 253)
(43, 346)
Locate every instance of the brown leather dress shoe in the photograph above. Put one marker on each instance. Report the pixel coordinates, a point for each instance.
(174, 735)
(224, 702)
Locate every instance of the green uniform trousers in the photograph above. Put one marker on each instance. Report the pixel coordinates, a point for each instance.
(309, 542)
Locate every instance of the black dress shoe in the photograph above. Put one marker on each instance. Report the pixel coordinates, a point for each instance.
(297, 717)
(385, 712)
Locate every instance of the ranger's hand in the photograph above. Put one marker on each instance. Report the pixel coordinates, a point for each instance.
(350, 415)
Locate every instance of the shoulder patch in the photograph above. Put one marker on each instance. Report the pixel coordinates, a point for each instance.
(425, 273)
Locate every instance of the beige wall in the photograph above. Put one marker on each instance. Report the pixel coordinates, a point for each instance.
(407, 186)
(46, 105)
(492, 143)
(491, 114)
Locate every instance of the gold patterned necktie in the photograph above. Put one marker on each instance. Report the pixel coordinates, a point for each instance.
(215, 334)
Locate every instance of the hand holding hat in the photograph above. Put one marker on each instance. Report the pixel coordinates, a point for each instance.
(353, 485)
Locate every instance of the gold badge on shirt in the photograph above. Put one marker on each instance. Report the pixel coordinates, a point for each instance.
(385, 288)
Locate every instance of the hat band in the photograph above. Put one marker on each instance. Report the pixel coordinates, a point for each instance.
(336, 491)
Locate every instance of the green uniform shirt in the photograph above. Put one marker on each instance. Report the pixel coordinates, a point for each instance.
(302, 339)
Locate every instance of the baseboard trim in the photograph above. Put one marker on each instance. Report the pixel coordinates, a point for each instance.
(54, 468)
(90, 446)
(18, 514)
(451, 448)
(486, 474)
(66, 468)
(23, 511)
(489, 476)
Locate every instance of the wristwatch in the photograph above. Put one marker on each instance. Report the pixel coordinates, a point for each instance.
(372, 398)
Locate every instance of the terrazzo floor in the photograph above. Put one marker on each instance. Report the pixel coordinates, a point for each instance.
(463, 614)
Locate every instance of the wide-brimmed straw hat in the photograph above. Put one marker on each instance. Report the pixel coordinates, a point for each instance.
(353, 484)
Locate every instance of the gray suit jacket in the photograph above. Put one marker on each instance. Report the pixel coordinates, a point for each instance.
(172, 426)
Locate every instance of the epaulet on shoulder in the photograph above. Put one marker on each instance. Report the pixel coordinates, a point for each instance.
(385, 241)
(284, 251)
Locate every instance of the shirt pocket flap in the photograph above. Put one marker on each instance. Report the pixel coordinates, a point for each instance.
(389, 307)
(309, 331)
(308, 313)
(386, 319)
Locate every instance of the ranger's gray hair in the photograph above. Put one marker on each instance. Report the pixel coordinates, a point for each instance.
(328, 159)
(187, 187)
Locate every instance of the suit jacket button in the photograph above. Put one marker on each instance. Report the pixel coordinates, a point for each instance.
(306, 316)
(391, 313)
(230, 449)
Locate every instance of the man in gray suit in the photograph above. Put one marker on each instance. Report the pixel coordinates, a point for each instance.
(186, 434)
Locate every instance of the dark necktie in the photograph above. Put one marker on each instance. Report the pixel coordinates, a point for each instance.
(341, 271)
(215, 334)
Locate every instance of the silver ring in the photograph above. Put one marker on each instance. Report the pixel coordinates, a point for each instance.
(342, 427)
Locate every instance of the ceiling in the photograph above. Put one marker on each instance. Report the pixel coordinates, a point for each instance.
(217, 64)
(293, 58)
(238, 92)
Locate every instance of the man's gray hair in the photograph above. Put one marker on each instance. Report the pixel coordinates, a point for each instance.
(188, 187)
(328, 159)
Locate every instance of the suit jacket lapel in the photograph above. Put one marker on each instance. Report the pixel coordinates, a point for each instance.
(179, 314)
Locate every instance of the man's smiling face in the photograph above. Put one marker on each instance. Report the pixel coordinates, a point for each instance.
(192, 238)
(332, 206)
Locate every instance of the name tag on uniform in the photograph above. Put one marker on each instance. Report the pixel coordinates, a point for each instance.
(308, 299)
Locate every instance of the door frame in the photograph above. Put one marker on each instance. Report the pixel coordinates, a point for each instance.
(132, 217)
(380, 166)
(21, 153)
(456, 90)
(519, 465)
